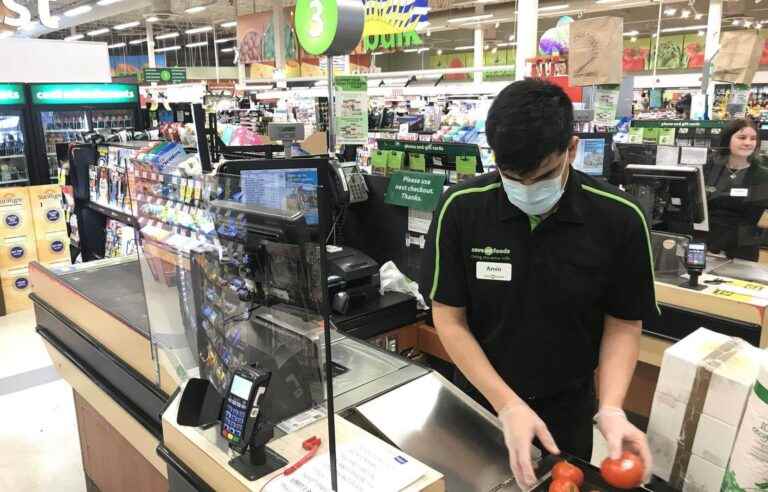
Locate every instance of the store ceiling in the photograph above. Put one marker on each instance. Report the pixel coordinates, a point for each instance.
(639, 15)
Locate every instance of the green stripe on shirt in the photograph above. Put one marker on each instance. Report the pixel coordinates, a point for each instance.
(639, 212)
(450, 199)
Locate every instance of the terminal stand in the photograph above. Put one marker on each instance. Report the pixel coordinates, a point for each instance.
(258, 460)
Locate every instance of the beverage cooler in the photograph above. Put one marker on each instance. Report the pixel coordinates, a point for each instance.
(68, 112)
(15, 153)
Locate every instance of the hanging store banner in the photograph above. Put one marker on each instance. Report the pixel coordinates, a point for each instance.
(165, 75)
(351, 110)
(256, 38)
(595, 56)
(393, 24)
(329, 27)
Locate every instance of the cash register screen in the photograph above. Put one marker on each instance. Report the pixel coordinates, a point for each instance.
(282, 189)
(590, 156)
(241, 387)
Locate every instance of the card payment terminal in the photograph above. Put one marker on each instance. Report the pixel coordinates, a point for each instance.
(242, 406)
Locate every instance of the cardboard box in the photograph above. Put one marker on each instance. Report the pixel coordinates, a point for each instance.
(703, 386)
(53, 247)
(15, 213)
(16, 289)
(47, 211)
(17, 252)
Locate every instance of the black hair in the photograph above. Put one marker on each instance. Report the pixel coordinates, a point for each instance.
(528, 121)
(732, 128)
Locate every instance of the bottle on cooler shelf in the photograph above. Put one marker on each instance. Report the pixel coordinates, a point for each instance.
(748, 467)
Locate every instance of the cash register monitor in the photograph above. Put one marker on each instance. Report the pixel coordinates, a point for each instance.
(672, 197)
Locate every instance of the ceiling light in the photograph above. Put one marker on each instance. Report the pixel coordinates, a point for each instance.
(608, 1)
(464, 48)
(98, 32)
(747, 23)
(137, 41)
(550, 8)
(198, 30)
(225, 40)
(458, 20)
(698, 16)
(736, 22)
(685, 13)
(127, 25)
(511, 37)
(116, 45)
(439, 52)
(198, 44)
(104, 3)
(227, 50)
(195, 10)
(683, 29)
(169, 48)
(74, 37)
(228, 24)
(6, 34)
(670, 11)
(410, 50)
(631, 33)
(429, 33)
(154, 18)
(83, 9)
(495, 50)
(633, 39)
(504, 45)
(487, 21)
(169, 35)
(701, 33)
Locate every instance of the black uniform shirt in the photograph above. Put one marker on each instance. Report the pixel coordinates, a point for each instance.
(536, 292)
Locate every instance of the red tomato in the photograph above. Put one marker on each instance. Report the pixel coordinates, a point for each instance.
(560, 485)
(624, 473)
(566, 471)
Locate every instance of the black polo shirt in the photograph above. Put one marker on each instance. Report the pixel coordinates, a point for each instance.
(536, 292)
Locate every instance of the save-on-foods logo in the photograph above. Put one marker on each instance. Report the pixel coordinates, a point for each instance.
(489, 251)
(21, 283)
(12, 220)
(57, 246)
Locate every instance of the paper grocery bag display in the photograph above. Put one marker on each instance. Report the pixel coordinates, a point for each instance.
(738, 58)
(595, 50)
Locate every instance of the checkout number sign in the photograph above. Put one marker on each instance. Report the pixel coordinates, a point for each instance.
(329, 27)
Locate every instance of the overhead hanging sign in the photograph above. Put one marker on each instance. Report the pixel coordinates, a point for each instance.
(391, 24)
(329, 27)
(165, 75)
(67, 94)
(14, 14)
(11, 94)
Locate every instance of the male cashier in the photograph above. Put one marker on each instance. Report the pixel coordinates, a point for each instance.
(540, 277)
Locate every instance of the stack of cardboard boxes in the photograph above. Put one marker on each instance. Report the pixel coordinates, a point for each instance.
(698, 405)
(32, 228)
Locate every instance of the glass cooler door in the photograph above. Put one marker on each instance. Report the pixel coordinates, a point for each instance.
(112, 119)
(13, 161)
(60, 127)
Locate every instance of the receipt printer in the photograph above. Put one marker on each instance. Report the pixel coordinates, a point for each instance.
(353, 278)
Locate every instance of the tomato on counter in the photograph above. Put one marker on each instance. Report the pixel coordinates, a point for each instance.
(624, 473)
(566, 471)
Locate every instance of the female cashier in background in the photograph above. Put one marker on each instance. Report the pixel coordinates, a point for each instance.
(737, 193)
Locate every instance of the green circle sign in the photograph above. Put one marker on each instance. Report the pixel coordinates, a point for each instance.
(316, 24)
(329, 27)
(165, 75)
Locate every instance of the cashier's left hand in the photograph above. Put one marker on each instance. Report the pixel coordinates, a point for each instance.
(623, 436)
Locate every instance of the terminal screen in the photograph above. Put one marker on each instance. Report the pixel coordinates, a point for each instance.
(241, 387)
(590, 156)
(293, 190)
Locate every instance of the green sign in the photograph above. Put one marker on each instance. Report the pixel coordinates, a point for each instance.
(11, 94)
(165, 75)
(416, 190)
(678, 124)
(417, 162)
(379, 160)
(395, 160)
(466, 165)
(67, 94)
(329, 27)
(439, 149)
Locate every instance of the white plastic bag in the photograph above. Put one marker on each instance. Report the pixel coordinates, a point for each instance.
(393, 280)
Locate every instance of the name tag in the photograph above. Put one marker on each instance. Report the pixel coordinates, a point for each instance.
(488, 270)
(740, 192)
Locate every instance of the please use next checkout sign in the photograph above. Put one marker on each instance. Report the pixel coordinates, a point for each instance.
(415, 190)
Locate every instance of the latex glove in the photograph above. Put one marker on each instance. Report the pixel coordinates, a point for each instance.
(521, 425)
(623, 436)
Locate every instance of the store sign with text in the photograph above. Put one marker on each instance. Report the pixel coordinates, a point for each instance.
(14, 14)
(393, 24)
(175, 75)
(65, 94)
(11, 94)
(329, 27)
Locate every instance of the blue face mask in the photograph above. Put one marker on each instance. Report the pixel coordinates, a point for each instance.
(537, 198)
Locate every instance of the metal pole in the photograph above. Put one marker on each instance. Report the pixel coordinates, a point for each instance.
(658, 38)
(331, 118)
(216, 54)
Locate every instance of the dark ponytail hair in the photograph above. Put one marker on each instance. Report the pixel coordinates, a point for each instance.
(732, 128)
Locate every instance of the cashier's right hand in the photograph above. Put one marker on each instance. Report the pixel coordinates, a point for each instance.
(521, 425)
